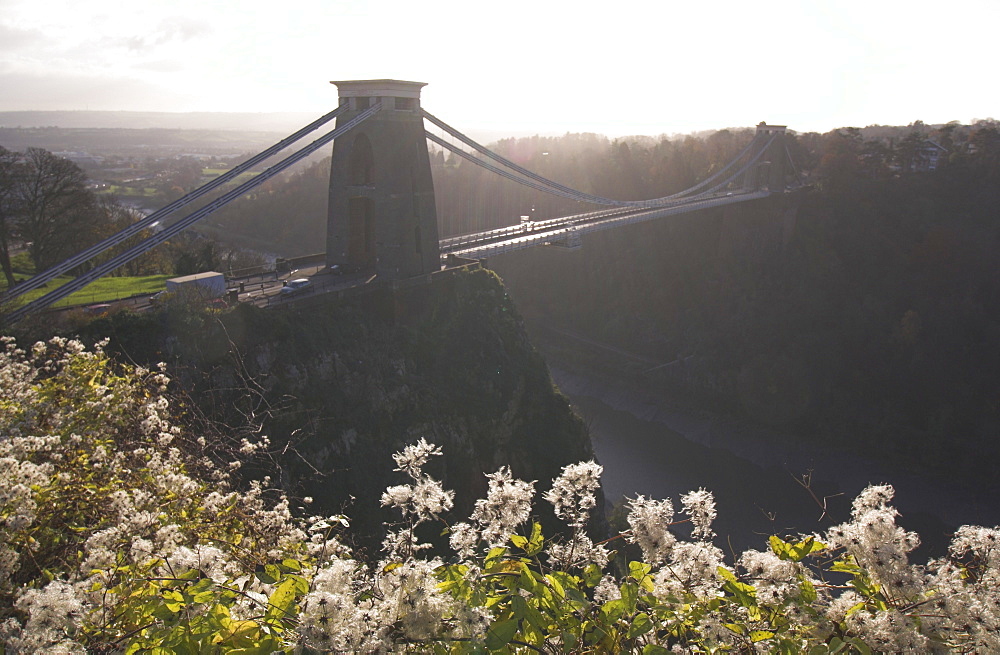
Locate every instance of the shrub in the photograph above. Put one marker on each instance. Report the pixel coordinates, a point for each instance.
(121, 531)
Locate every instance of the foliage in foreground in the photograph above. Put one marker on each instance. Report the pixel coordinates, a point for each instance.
(122, 532)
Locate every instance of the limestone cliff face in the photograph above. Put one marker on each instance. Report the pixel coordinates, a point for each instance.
(346, 385)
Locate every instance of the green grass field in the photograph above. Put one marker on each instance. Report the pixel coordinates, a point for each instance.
(131, 192)
(240, 179)
(101, 291)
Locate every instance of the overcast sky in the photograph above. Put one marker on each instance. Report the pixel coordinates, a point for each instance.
(538, 66)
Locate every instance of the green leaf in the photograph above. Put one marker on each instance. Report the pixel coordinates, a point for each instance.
(172, 600)
(495, 553)
(805, 548)
(577, 596)
(299, 584)
(518, 606)
(268, 574)
(203, 597)
(638, 570)
(778, 547)
(537, 541)
(519, 541)
(725, 574)
(291, 565)
(760, 635)
(630, 595)
(846, 565)
(641, 624)
(613, 610)
(808, 590)
(201, 592)
(500, 633)
(556, 585)
(528, 580)
(535, 618)
(653, 649)
(166, 610)
(281, 602)
(592, 575)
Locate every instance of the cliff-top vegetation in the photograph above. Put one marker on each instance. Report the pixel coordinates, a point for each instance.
(125, 531)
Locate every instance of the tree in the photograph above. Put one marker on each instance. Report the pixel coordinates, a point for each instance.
(8, 209)
(116, 217)
(840, 164)
(908, 151)
(57, 213)
(985, 143)
(195, 254)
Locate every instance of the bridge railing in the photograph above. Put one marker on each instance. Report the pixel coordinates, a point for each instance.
(585, 224)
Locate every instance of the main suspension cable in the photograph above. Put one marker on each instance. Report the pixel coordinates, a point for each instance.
(168, 232)
(567, 192)
(150, 220)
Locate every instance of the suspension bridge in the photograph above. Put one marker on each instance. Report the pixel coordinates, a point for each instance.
(381, 211)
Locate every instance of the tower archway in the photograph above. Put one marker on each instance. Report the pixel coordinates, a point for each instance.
(362, 165)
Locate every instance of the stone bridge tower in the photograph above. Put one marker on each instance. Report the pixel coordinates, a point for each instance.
(772, 167)
(381, 215)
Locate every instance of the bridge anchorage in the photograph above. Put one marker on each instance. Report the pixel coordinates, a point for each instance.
(382, 216)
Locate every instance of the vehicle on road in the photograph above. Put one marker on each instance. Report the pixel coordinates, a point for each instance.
(295, 286)
(209, 284)
(98, 310)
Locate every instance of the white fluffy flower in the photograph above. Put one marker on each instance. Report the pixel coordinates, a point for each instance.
(700, 506)
(506, 506)
(413, 457)
(572, 493)
(649, 521)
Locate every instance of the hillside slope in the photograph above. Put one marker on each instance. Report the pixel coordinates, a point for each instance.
(339, 388)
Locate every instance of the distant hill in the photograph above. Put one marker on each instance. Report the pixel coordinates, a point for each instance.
(240, 121)
(243, 122)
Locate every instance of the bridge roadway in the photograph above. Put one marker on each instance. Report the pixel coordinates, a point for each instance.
(265, 290)
(559, 230)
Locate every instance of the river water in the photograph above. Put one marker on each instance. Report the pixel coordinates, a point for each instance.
(648, 446)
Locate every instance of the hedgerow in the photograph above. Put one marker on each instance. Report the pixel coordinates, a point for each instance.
(123, 532)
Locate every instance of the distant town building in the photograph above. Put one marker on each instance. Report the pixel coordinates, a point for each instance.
(927, 156)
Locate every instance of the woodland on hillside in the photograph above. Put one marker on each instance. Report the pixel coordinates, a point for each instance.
(287, 216)
(873, 324)
(873, 327)
(868, 328)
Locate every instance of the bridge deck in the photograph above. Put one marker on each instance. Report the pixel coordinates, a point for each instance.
(517, 237)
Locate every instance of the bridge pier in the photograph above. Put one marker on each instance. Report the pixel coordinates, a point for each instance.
(381, 216)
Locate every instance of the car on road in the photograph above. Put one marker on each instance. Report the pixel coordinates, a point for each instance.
(295, 286)
(98, 310)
